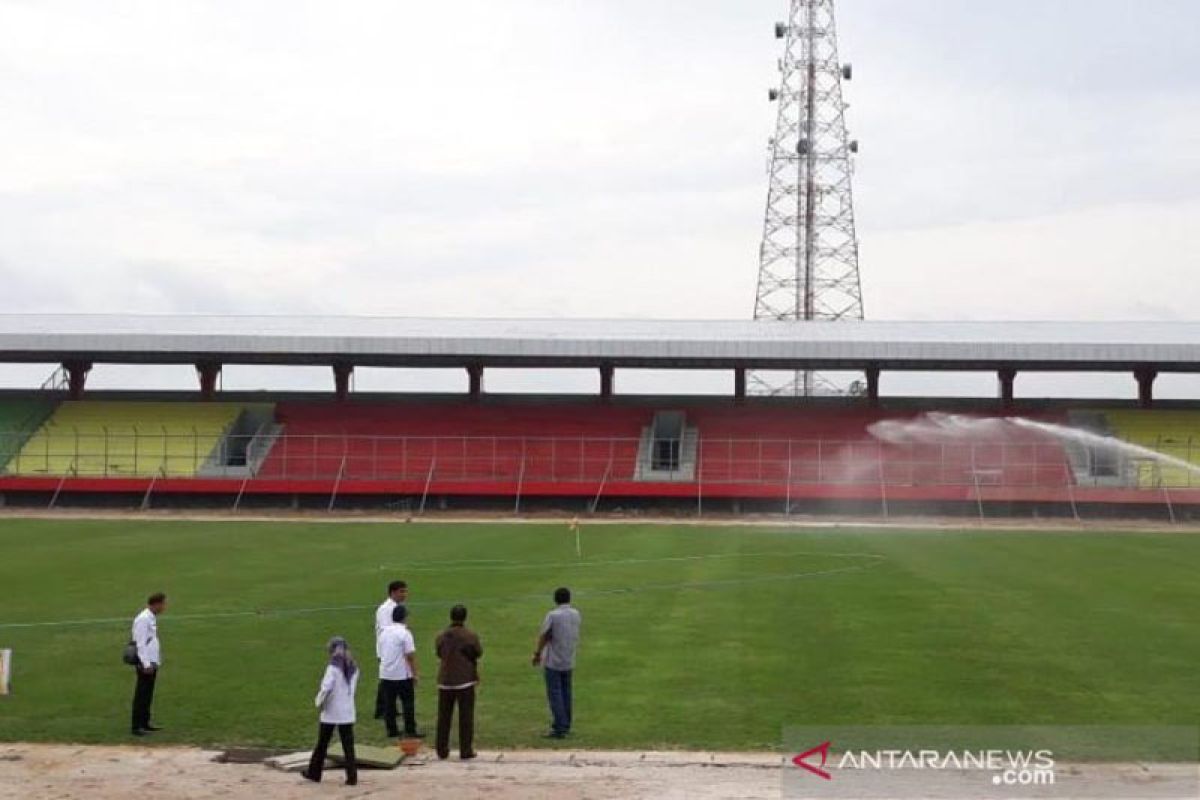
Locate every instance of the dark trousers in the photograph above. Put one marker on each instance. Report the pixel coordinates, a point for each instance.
(143, 698)
(316, 764)
(406, 694)
(465, 699)
(558, 692)
(379, 698)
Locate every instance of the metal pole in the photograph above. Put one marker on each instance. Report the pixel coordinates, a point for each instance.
(975, 478)
(337, 484)
(520, 480)
(882, 482)
(600, 491)
(1071, 490)
(787, 508)
(150, 490)
(428, 481)
(1190, 461)
(238, 501)
(58, 489)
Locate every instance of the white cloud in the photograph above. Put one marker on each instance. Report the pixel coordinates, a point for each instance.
(582, 158)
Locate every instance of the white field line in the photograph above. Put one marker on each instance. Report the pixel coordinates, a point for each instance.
(874, 560)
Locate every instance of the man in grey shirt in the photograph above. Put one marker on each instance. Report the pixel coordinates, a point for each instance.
(555, 653)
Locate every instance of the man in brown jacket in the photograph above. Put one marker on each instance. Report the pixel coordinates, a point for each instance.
(459, 651)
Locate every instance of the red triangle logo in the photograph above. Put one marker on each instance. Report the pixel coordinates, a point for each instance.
(801, 761)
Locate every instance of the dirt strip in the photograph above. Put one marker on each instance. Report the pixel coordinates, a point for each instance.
(963, 524)
(75, 772)
(64, 772)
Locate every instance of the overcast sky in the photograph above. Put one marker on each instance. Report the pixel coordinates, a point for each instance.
(1020, 160)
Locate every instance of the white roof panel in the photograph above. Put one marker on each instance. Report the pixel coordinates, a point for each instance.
(585, 342)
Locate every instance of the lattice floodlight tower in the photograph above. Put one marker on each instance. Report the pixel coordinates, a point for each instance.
(808, 264)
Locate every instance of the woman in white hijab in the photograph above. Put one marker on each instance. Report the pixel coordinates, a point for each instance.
(335, 699)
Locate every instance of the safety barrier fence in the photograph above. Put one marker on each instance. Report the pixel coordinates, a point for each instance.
(591, 460)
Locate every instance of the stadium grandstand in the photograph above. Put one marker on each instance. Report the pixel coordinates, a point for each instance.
(63, 443)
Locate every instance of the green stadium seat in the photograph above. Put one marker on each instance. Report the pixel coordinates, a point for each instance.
(18, 420)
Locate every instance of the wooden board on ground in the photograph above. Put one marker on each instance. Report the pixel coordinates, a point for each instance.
(369, 757)
(290, 762)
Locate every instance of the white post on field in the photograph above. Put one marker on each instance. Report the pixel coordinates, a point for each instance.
(574, 526)
(5, 672)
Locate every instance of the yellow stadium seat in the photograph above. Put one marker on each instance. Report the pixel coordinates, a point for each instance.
(1172, 433)
(126, 439)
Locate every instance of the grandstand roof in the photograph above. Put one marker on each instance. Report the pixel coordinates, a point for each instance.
(674, 344)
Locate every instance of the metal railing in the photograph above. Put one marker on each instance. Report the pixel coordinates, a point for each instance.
(585, 460)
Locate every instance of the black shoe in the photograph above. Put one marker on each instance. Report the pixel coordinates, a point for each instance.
(139, 732)
(352, 781)
(394, 735)
(152, 728)
(414, 735)
(467, 756)
(554, 735)
(305, 774)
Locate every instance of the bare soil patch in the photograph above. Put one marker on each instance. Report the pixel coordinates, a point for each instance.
(29, 771)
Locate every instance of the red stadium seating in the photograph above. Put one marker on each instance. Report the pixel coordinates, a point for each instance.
(588, 442)
(835, 446)
(457, 441)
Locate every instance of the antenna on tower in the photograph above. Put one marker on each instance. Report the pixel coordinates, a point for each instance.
(808, 262)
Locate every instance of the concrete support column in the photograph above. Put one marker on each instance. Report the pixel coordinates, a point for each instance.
(208, 372)
(873, 386)
(1145, 381)
(77, 372)
(739, 384)
(475, 381)
(606, 381)
(341, 380)
(1008, 379)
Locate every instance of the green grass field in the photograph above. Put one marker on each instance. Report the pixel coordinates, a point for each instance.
(702, 637)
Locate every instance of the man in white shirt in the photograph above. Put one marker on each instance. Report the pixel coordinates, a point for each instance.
(397, 594)
(145, 638)
(398, 674)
